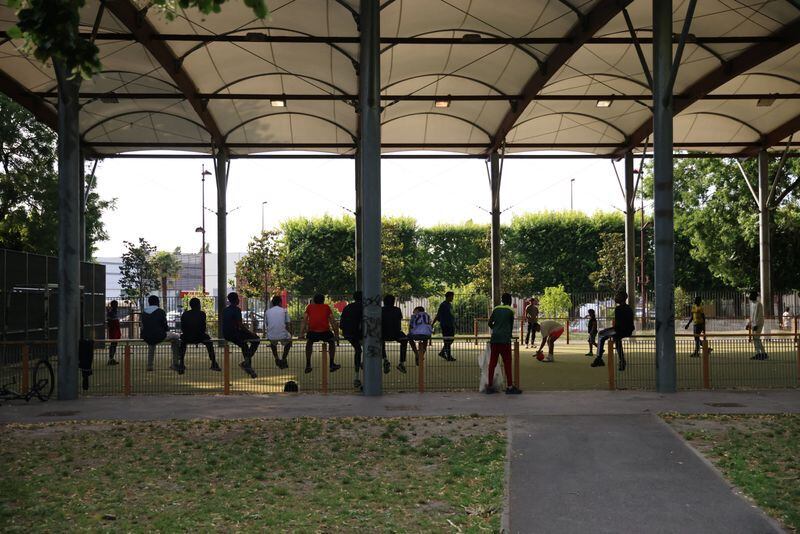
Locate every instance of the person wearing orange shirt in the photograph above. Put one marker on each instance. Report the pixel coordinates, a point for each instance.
(319, 325)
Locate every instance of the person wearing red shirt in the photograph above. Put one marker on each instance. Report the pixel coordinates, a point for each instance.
(319, 325)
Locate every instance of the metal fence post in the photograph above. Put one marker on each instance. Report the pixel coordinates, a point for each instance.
(421, 367)
(26, 370)
(325, 367)
(797, 343)
(126, 370)
(475, 329)
(611, 376)
(567, 330)
(516, 380)
(226, 370)
(706, 365)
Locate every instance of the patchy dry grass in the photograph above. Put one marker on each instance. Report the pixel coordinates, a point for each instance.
(303, 475)
(758, 453)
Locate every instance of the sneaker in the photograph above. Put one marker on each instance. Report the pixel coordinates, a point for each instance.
(308, 369)
(598, 362)
(284, 363)
(278, 363)
(442, 355)
(176, 368)
(513, 390)
(694, 355)
(386, 366)
(589, 354)
(357, 384)
(450, 358)
(112, 361)
(334, 367)
(401, 367)
(215, 366)
(622, 364)
(548, 359)
(248, 369)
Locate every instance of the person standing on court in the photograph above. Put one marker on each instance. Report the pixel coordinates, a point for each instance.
(532, 318)
(114, 330)
(445, 317)
(756, 326)
(502, 324)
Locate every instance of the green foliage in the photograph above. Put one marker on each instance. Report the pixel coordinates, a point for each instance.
(402, 264)
(29, 186)
(139, 275)
(259, 271)
(319, 254)
(166, 265)
(51, 29)
(452, 251)
(555, 302)
(207, 303)
(611, 261)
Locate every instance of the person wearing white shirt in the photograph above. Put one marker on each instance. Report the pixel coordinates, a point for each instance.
(756, 326)
(276, 324)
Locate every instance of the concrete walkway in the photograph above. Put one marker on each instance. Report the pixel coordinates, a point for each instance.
(589, 461)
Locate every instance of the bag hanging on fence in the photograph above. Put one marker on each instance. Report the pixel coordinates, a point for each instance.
(499, 381)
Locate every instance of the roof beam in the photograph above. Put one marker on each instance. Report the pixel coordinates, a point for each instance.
(782, 40)
(599, 16)
(146, 34)
(774, 137)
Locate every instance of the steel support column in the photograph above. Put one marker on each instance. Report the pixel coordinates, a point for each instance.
(358, 215)
(764, 239)
(664, 231)
(221, 163)
(69, 233)
(630, 240)
(83, 200)
(369, 150)
(494, 183)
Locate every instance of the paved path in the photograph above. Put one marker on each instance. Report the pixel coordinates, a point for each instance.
(588, 461)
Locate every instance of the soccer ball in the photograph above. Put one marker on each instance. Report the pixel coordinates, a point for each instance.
(540, 356)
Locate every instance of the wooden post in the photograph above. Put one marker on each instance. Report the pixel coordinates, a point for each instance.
(324, 367)
(516, 380)
(522, 327)
(612, 385)
(421, 367)
(226, 370)
(567, 328)
(126, 370)
(706, 365)
(24, 385)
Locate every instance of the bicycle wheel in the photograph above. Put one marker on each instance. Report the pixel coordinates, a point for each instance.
(43, 380)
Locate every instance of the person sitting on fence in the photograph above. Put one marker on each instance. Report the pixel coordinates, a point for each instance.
(419, 329)
(787, 319)
(532, 317)
(155, 330)
(350, 325)
(194, 331)
(698, 316)
(233, 330)
(591, 327)
(551, 331)
(319, 325)
(114, 330)
(756, 326)
(391, 330)
(276, 324)
(444, 316)
(501, 321)
(622, 327)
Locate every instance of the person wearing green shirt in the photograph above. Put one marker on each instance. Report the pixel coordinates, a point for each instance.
(502, 324)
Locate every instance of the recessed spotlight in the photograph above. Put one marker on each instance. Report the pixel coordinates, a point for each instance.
(277, 103)
(442, 103)
(604, 103)
(765, 102)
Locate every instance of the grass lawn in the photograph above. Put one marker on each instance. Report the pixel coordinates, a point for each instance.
(758, 453)
(303, 475)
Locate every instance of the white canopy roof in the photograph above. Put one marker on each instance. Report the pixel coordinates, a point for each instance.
(528, 75)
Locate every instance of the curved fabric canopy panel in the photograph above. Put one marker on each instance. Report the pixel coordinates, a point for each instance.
(456, 75)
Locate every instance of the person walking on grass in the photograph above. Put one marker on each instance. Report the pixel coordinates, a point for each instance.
(444, 316)
(276, 325)
(194, 331)
(114, 330)
(350, 325)
(621, 328)
(591, 327)
(233, 330)
(532, 318)
(391, 330)
(419, 329)
(319, 325)
(502, 324)
(698, 317)
(756, 325)
(551, 331)
(155, 330)
(786, 324)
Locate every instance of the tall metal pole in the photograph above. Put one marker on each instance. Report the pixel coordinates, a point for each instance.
(359, 214)
(764, 238)
(69, 232)
(369, 149)
(82, 214)
(571, 183)
(221, 168)
(203, 225)
(630, 238)
(643, 279)
(262, 215)
(664, 232)
(494, 182)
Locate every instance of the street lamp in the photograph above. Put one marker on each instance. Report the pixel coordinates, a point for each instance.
(202, 229)
(262, 215)
(571, 181)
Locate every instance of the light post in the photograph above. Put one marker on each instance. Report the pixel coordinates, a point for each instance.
(571, 181)
(262, 215)
(202, 229)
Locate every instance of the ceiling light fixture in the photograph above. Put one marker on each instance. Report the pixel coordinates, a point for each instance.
(280, 103)
(442, 103)
(606, 103)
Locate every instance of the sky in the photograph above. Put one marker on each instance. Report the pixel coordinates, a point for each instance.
(160, 199)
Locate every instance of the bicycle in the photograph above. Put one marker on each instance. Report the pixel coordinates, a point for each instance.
(42, 382)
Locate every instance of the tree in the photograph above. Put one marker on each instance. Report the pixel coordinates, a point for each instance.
(611, 261)
(402, 264)
(259, 271)
(555, 302)
(452, 251)
(167, 265)
(139, 276)
(29, 186)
